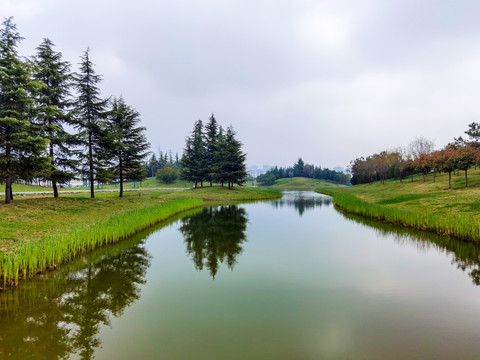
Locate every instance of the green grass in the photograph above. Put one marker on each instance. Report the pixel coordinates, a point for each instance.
(58, 248)
(301, 183)
(428, 205)
(218, 193)
(39, 233)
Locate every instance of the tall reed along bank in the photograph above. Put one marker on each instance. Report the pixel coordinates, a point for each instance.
(37, 257)
(41, 233)
(420, 205)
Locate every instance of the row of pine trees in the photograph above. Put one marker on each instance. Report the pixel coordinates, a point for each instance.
(212, 154)
(54, 124)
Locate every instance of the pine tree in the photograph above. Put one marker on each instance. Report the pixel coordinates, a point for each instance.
(53, 113)
(220, 173)
(230, 164)
(211, 133)
(193, 160)
(91, 111)
(21, 145)
(125, 142)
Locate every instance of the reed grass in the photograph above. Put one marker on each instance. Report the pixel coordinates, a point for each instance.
(37, 257)
(456, 225)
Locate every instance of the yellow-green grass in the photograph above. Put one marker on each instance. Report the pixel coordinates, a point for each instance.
(30, 223)
(301, 183)
(60, 247)
(218, 193)
(428, 205)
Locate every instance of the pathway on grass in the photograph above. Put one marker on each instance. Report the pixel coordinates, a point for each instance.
(87, 191)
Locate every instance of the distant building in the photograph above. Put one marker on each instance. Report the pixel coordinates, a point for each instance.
(255, 171)
(340, 169)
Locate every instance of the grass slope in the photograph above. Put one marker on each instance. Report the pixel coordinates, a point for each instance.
(424, 205)
(301, 183)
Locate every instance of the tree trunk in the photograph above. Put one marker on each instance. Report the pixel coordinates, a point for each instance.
(8, 191)
(434, 175)
(466, 180)
(54, 183)
(55, 189)
(211, 183)
(120, 167)
(450, 180)
(90, 160)
(196, 182)
(201, 183)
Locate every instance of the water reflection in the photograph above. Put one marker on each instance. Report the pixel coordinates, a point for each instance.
(466, 256)
(215, 235)
(302, 201)
(60, 315)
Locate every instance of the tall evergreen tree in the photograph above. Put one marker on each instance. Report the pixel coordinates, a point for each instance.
(211, 133)
(21, 145)
(230, 160)
(91, 112)
(236, 167)
(53, 111)
(193, 160)
(126, 142)
(220, 173)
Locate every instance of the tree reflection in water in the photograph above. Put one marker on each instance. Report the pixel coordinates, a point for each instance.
(215, 235)
(466, 256)
(61, 314)
(302, 201)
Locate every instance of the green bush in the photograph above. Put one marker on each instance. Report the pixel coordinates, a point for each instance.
(168, 174)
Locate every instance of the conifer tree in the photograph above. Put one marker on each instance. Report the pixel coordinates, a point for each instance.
(21, 145)
(219, 170)
(125, 142)
(193, 161)
(230, 163)
(53, 111)
(211, 133)
(91, 112)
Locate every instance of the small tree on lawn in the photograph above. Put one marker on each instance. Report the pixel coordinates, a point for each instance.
(465, 159)
(125, 142)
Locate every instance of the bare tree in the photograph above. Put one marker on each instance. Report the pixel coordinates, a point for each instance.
(420, 146)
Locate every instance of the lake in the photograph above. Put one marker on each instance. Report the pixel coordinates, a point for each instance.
(291, 278)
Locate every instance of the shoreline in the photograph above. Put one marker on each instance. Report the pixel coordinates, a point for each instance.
(459, 227)
(35, 257)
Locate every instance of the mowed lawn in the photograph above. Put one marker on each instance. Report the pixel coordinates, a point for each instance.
(31, 218)
(301, 183)
(425, 196)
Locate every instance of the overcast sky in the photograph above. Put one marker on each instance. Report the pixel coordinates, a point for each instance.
(327, 81)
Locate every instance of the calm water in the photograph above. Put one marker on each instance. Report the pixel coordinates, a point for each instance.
(287, 279)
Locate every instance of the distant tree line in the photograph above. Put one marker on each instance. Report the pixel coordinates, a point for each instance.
(160, 162)
(420, 158)
(300, 168)
(212, 154)
(41, 99)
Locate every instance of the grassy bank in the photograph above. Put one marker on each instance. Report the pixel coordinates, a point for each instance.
(428, 206)
(41, 233)
(300, 183)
